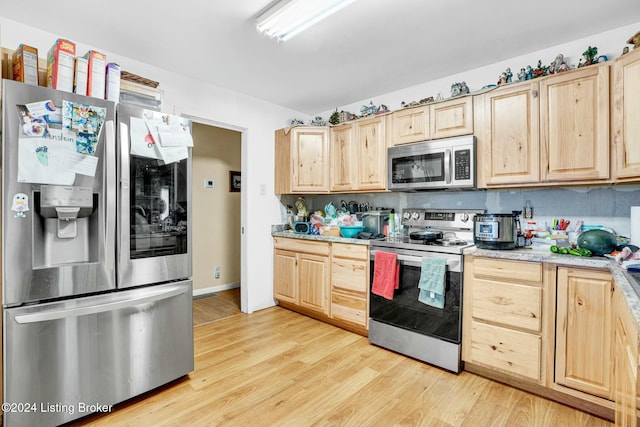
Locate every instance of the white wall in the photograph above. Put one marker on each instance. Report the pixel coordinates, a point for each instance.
(609, 43)
(259, 119)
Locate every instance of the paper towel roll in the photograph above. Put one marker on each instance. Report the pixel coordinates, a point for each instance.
(635, 225)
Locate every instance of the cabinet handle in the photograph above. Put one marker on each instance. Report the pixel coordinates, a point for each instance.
(534, 93)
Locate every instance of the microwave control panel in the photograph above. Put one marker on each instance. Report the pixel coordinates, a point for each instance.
(462, 164)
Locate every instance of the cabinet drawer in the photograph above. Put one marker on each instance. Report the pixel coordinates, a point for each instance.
(508, 304)
(346, 250)
(510, 271)
(350, 276)
(511, 351)
(300, 245)
(351, 309)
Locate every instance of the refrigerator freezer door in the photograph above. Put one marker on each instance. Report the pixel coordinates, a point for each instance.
(154, 213)
(58, 219)
(65, 357)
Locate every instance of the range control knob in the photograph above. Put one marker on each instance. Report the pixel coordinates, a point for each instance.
(406, 215)
(464, 217)
(415, 216)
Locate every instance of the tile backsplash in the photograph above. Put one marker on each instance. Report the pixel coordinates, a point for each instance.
(609, 206)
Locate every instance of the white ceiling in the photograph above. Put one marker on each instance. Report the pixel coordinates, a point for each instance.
(369, 48)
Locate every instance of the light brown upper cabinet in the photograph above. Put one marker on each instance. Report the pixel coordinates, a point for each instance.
(343, 152)
(552, 130)
(434, 121)
(508, 132)
(626, 126)
(410, 125)
(358, 155)
(302, 160)
(451, 118)
(574, 125)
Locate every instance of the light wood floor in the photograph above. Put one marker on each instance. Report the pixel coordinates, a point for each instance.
(278, 368)
(221, 305)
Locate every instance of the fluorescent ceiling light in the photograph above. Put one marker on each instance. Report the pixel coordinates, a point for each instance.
(287, 18)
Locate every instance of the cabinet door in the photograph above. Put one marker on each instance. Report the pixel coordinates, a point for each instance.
(584, 331)
(285, 276)
(310, 159)
(410, 125)
(626, 374)
(626, 104)
(511, 144)
(313, 282)
(371, 149)
(626, 367)
(452, 118)
(343, 163)
(574, 120)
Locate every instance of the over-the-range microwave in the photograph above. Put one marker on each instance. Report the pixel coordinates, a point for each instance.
(431, 165)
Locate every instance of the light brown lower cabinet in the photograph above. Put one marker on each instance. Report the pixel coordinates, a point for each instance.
(584, 330)
(350, 283)
(626, 364)
(301, 274)
(560, 332)
(325, 280)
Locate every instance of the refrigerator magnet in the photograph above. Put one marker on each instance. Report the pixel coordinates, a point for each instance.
(20, 205)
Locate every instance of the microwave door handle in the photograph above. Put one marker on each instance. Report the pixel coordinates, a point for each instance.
(447, 165)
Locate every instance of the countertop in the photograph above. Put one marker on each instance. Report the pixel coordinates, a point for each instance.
(629, 287)
(322, 238)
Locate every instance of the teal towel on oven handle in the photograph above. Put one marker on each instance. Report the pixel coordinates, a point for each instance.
(432, 286)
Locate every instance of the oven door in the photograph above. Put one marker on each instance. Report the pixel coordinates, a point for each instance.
(406, 312)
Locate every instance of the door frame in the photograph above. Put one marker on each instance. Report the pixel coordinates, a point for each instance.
(244, 297)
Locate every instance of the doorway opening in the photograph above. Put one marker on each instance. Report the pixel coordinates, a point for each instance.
(217, 238)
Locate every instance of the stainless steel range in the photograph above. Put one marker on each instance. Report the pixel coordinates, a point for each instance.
(405, 323)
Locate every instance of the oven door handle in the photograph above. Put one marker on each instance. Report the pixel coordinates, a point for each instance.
(416, 261)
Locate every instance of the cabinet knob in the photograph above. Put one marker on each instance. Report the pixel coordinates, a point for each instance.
(534, 93)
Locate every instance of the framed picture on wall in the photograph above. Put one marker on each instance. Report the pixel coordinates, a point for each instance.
(234, 181)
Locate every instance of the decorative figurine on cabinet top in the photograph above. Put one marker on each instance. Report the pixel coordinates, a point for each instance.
(368, 110)
(635, 40)
(345, 116)
(455, 90)
(459, 88)
(334, 118)
(296, 122)
(522, 75)
(317, 121)
(589, 57)
(540, 70)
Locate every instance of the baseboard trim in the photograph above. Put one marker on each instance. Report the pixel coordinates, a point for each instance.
(214, 289)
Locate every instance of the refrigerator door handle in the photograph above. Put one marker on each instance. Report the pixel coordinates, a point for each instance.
(110, 213)
(147, 297)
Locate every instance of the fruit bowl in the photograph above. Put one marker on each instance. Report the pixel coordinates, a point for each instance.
(350, 230)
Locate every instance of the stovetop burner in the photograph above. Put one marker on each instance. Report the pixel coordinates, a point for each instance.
(455, 227)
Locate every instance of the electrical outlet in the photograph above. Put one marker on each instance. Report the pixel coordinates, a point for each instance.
(217, 273)
(209, 183)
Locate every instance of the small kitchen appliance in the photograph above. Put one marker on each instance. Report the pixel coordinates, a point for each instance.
(431, 165)
(496, 230)
(375, 221)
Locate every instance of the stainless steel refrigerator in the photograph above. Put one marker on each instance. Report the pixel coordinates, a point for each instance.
(96, 254)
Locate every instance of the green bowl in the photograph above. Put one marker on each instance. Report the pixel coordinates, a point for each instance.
(350, 230)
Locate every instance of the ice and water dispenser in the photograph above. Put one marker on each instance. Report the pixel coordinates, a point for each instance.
(65, 229)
